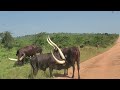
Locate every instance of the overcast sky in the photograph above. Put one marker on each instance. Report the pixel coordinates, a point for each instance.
(21, 23)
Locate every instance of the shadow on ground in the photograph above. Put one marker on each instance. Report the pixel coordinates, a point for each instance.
(62, 76)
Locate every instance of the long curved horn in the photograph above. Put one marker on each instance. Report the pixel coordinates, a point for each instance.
(61, 54)
(12, 59)
(58, 61)
(22, 57)
(50, 43)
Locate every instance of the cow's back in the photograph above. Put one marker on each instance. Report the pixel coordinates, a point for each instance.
(43, 60)
(31, 50)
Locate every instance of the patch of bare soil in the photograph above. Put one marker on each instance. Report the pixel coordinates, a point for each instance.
(103, 66)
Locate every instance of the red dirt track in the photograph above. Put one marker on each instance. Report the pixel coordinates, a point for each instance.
(103, 66)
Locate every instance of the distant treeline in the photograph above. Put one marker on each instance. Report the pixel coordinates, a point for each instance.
(63, 39)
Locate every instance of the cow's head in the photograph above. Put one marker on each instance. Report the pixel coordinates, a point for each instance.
(59, 50)
(20, 55)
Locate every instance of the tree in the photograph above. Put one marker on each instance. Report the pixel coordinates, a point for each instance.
(1, 35)
(7, 40)
(40, 39)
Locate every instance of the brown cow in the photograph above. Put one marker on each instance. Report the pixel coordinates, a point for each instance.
(72, 55)
(26, 51)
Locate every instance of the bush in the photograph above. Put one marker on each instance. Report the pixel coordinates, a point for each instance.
(7, 40)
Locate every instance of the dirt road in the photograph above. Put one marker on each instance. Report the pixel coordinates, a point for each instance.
(103, 66)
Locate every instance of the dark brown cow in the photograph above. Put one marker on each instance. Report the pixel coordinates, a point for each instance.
(72, 55)
(53, 60)
(44, 61)
(27, 51)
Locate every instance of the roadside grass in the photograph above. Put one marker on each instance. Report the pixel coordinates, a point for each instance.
(8, 71)
(89, 52)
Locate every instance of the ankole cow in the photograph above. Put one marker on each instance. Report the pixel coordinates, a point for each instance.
(72, 55)
(58, 59)
(26, 51)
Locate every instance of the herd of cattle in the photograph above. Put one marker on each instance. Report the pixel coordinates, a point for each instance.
(58, 58)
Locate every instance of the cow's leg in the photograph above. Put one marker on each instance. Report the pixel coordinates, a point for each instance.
(34, 69)
(51, 70)
(31, 73)
(73, 69)
(31, 76)
(78, 68)
(66, 71)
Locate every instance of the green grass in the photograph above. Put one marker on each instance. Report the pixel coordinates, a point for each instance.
(7, 71)
(89, 52)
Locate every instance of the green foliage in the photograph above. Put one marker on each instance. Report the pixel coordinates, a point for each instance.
(68, 39)
(40, 39)
(1, 35)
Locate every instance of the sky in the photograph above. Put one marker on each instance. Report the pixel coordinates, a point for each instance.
(21, 23)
